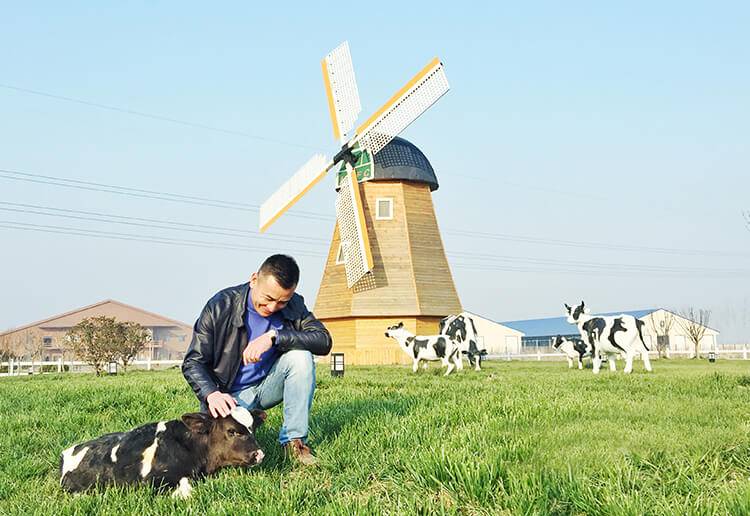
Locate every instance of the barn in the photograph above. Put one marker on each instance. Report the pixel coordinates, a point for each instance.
(44, 340)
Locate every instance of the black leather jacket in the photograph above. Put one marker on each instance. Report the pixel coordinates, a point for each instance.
(219, 337)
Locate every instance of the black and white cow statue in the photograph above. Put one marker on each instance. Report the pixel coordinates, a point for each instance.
(611, 336)
(167, 454)
(430, 348)
(461, 328)
(574, 349)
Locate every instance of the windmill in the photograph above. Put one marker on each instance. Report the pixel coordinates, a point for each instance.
(383, 277)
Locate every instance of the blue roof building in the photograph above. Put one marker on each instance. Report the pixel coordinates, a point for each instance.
(539, 332)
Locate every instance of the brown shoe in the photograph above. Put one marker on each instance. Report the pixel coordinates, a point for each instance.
(300, 452)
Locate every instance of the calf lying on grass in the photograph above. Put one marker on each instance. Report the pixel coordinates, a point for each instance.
(433, 347)
(165, 454)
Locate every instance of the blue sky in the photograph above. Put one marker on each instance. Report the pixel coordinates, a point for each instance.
(603, 148)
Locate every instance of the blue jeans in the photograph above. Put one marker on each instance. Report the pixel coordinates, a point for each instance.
(291, 380)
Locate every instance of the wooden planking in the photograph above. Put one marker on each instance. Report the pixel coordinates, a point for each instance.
(393, 273)
(434, 282)
(414, 282)
(334, 297)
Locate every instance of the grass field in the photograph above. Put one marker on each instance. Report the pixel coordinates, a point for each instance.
(517, 438)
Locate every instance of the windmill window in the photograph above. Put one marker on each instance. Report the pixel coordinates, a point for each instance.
(384, 208)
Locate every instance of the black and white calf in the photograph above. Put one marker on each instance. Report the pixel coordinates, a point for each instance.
(461, 328)
(612, 336)
(574, 349)
(433, 347)
(167, 454)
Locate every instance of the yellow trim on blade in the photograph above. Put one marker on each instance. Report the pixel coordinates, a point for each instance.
(294, 200)
(361, 216)
(331, 103)
(432, 64)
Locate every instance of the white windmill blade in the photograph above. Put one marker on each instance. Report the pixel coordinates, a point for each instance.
(421, 92)
(291, 191)
(341, 90)
(350, 217)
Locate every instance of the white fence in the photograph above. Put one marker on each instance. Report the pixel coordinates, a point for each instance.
(26, 367)
(742, 354)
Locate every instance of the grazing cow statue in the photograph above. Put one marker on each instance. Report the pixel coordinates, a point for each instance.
(610, 335)
(574, 349)
(461, 328)
(433, 347)
(168, 454)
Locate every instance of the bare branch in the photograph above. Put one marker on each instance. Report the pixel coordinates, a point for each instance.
(694, 322)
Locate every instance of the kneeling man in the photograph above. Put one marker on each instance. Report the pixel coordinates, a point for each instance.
(253, 345)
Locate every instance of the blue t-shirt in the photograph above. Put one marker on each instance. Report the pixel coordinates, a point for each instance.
(256, 326)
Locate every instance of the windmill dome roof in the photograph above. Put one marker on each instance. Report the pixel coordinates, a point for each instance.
(401, 159)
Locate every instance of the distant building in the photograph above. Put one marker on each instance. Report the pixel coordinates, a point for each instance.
(45, 338)
(540, 332)
(496, 338)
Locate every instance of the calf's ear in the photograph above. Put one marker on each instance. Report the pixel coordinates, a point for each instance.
(198, 422)
(259, 417)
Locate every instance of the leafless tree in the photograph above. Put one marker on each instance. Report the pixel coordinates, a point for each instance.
(7, 349)
(746, 214)
(32, 345)
(661, 326)
(695, 322)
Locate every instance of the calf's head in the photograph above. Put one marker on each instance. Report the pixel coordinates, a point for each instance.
(574, 314)
(230, 441)
(395, 331)
(557, 341)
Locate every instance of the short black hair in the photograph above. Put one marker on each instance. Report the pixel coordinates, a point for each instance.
(283, 268)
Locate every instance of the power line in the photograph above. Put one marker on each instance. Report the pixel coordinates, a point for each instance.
(151, 223)
(591, 245)
(143, 194)
(217, 203)
(234, 232)
(161, 118)
(584, 272)
(516, 263)
(218, 245)
(589, 265)
(9, 224)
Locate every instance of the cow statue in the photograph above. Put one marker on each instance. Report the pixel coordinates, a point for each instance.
(574, 349)
(430, 348)
(610, 336)
(461, 328)
(167, 454)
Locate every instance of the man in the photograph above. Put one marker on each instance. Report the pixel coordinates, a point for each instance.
(253, 346)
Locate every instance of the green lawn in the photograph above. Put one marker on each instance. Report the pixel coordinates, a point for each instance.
(517, 438)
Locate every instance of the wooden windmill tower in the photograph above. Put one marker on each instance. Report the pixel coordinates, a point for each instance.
(386, 262)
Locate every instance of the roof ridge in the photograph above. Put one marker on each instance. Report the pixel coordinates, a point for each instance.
(88, 307)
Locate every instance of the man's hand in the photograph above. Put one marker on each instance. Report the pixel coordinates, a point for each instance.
(257, 347)
(220, 404)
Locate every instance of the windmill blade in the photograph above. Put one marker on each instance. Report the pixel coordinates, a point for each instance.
(341, 90)
(350, 217)
(421, 92)
(291, 191)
